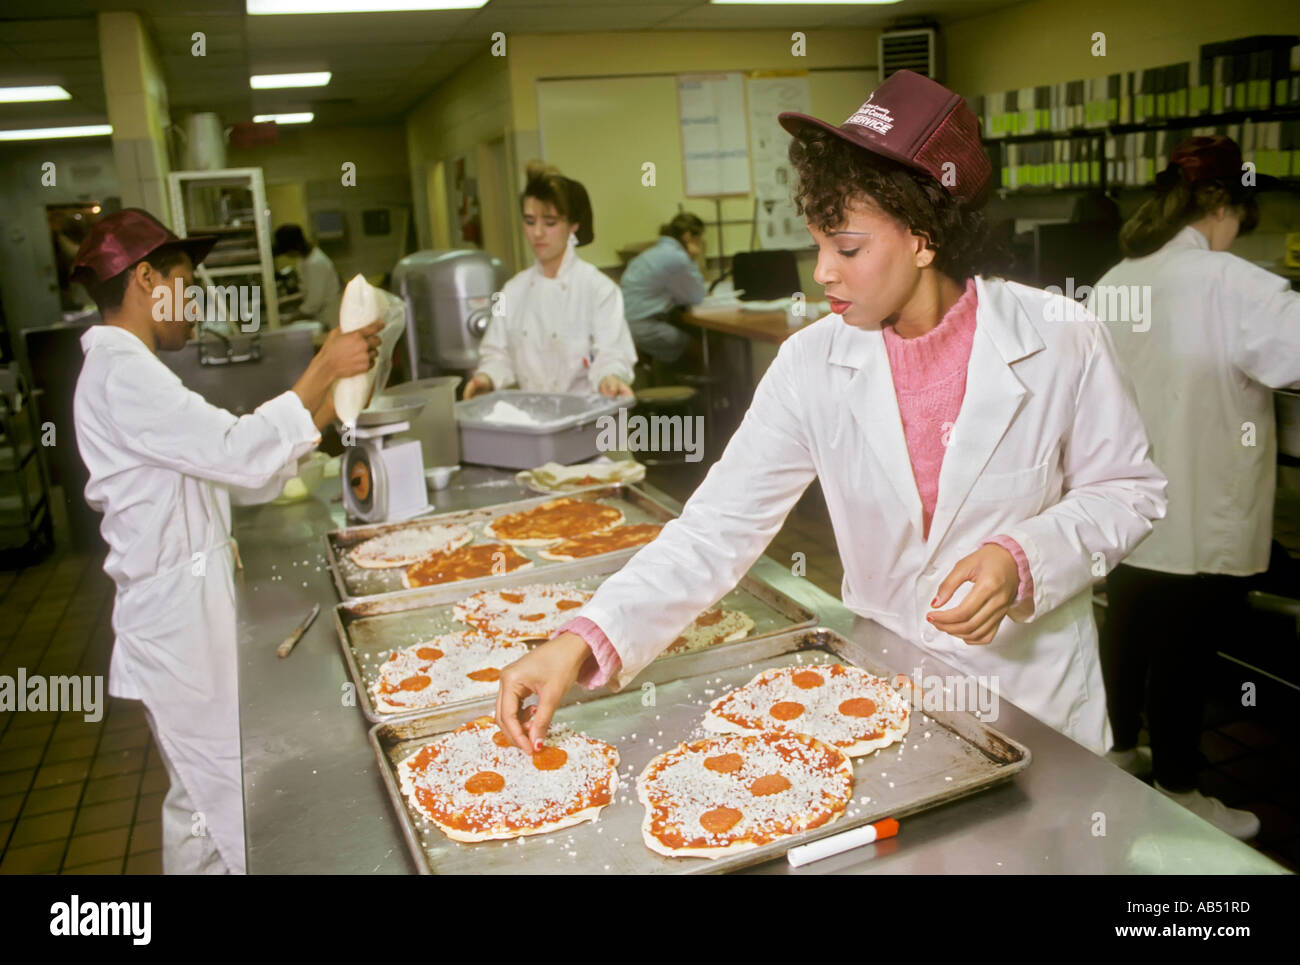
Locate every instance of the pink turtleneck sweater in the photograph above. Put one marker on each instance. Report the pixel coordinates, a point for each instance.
(930, 382)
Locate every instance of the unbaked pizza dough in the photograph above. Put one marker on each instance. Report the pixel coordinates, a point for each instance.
(409, 544)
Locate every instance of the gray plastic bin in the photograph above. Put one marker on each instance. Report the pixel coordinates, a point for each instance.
(565, 430)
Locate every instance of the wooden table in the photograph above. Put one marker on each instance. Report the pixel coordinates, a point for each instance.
(729, 357)
(761, 326)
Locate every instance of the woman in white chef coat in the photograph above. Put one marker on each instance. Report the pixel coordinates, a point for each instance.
(164, 468)
(562, 327)
(1219, 334)
(1044, 458)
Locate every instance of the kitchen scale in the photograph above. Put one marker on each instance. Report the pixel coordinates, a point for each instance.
(383, 478)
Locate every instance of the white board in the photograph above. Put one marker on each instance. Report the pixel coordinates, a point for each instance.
(715, 148)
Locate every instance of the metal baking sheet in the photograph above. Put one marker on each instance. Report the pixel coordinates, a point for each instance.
(947, 755)
(354, 582)
(369, 630)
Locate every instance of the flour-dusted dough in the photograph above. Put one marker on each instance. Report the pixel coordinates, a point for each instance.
(360, 305)
(409, 544)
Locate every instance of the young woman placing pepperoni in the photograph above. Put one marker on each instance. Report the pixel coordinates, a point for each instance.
(979, 460)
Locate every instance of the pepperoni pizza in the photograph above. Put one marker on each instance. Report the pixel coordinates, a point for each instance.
(717, 796)
(452, 667)
(841, 705)
(532, 612)
(475, 785)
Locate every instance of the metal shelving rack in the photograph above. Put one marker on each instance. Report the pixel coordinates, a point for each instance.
(231, 203)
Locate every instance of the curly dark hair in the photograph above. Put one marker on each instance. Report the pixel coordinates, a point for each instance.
(833, 173)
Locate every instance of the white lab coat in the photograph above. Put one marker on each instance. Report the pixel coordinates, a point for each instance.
(164, 465)
(1048, 449)
(561, 334)
(320, 289)
(1221, 332)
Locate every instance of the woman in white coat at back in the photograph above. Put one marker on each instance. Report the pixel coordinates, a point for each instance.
(924, 362)
(561, 326)
(1220, 334)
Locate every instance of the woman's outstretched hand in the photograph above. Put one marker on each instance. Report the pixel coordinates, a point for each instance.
(548, 671)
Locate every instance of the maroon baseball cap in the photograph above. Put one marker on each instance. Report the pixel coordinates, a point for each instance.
(1213, 158)
(125, 237)
(918, 123)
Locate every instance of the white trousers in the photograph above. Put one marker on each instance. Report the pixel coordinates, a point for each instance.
(187, 848)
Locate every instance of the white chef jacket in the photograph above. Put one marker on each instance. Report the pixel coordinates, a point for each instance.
(164, 465)
(319, 283)
(1222, 332)
(561, 334)
(1048, 449)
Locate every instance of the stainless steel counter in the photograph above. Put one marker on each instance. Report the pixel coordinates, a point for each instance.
(315, 803)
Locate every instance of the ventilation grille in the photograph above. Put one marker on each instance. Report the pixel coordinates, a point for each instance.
(908, 50)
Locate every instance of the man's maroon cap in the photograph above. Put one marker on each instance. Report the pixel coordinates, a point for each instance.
(125, 237)
(921, 124)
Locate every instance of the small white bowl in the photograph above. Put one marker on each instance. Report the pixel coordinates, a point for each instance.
(439, 476)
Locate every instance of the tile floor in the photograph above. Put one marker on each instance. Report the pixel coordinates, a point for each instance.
(85, 798)
(75, 796)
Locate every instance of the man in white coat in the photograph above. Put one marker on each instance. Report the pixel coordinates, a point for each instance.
(1047, 457)
(164, 468)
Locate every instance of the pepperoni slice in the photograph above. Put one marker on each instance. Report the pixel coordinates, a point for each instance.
(487, 675)
(807, 680)
(709, 619)
(857, 707)
(501, 740)
(534, 617)
(429, 653)
(568, 604)
(550, 758)
(786, 710)
(417, 682)
(484, 782)
(719, 820)
(723, 763)
(769, 784)
(513, 597)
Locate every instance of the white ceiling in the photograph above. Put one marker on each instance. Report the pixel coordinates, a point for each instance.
(382, 64)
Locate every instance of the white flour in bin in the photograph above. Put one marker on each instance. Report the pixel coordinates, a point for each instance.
(506, 414)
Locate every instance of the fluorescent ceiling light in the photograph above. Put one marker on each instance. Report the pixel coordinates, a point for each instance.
(41, 133)
(25, 95)
(797, 3)
(255, 7)
(303, 117)
(319, 78)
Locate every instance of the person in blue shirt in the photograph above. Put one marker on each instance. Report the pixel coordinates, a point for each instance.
(659, 283)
